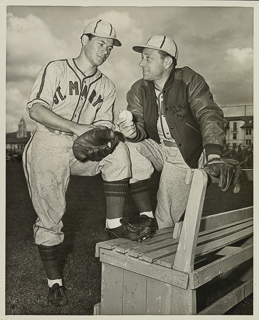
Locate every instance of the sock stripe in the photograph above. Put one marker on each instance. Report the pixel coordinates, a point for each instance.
(115, 194)
(139, 190)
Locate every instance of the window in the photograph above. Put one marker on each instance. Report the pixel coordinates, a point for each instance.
(234, 126)
(248, 132)
(248, 142)
(234, 136)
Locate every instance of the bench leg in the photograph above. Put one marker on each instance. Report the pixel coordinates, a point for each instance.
(183, 301)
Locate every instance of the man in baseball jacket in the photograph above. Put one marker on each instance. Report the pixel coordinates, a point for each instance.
(175, 123)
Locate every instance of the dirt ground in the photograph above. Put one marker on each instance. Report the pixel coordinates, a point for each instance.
(26, 285)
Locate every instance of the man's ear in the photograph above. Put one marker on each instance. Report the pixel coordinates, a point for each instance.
(168, 61)
(84, 39)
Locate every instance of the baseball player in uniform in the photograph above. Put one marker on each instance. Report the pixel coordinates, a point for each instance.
(175, 122)
(69, 97)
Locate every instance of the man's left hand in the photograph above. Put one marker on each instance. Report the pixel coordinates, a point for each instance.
(228, 171)
(127, 128)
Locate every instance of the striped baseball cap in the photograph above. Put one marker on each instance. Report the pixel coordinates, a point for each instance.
(103, 29)
(159, 42)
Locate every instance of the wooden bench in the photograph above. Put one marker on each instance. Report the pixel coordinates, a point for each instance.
(162, 275)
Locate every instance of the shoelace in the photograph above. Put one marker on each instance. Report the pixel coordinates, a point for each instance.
(129, 226)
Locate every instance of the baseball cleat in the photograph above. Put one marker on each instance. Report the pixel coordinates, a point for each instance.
(145, 221)
(127, 230)
(57, 295)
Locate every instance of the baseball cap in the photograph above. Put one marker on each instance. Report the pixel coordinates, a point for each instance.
(102, 28)
(159, 42)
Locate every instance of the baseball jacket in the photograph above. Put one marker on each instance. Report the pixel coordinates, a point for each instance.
(195, 121)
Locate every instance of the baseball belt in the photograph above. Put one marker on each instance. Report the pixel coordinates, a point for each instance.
(169, 143)
(58, 132)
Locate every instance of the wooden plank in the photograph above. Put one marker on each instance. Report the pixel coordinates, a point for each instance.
(183, 302)
(166, 261)
(177, 229)
(149, 247)
(160, 254)
(184, 259)
(137, 246)
(112, 280)
(109, 245)
(206, 273)
(134, 293)
(173, 277)
(159, 297)
(165, 256)
(225, 219)
(225, 240)
(228, 250)
(222, 305)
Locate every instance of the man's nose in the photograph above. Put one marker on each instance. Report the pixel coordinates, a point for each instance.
(141, 64)
(105, 50)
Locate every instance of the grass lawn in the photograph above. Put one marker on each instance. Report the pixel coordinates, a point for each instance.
(84, 221)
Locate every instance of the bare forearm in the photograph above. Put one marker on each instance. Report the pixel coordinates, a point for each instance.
(52, 120)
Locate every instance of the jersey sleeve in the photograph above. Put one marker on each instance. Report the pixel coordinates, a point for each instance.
(44, 87)
(105, 114)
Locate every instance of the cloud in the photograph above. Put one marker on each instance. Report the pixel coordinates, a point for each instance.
(16, 106)
(211, 41)
(240, 55)
(30, 41)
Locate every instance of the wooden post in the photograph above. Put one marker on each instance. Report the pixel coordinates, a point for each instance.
(184, 259)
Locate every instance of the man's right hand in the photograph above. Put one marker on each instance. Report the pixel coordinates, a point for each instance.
(127, 128)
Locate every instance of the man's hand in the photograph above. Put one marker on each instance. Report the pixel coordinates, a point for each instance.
(127, 128)
(228, 171)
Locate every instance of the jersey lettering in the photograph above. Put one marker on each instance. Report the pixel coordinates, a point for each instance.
(98, 100)
(73, 86)
(84, 92)
(91, 98)
(60, 94)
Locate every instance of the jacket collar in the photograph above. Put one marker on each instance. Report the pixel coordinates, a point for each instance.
(170, 79)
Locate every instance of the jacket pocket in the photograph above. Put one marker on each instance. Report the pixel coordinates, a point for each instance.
(189, 125)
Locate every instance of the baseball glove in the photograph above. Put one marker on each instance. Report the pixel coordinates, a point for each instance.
(95, 144)
(228, 171)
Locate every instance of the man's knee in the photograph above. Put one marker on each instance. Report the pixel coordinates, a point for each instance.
(117, 165)
(141, 167)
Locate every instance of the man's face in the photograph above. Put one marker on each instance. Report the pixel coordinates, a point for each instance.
(97, 50)
(152, 65)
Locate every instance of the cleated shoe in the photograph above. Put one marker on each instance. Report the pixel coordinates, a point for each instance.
(145, 221)
(57, 295)
(127, 230)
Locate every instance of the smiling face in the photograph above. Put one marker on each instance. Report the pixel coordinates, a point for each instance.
(152, 64)
(97, 50)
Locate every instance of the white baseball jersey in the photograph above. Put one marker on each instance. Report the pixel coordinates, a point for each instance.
(63, 88)
(48, 158)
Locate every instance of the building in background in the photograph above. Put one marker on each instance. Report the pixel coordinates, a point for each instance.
(240, 128)
(240, 131)
(16, 141)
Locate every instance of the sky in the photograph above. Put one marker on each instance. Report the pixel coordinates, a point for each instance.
(215, 41)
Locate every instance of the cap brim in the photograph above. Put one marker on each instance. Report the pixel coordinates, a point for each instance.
(116, 42)
(140, 48)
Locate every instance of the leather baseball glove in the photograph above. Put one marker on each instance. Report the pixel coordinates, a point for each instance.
(95, 144)
(228, 171)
